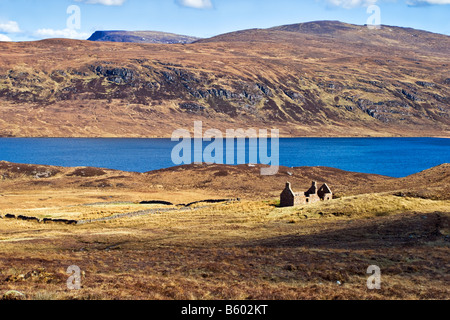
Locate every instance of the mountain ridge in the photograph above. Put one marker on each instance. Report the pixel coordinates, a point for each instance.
(357, 82)
(140, 37)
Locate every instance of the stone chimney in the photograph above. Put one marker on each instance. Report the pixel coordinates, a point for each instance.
(312, 190)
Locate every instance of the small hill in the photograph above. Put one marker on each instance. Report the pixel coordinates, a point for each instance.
(242, 181)
(344, 36)
(141, 37)
(389, 36)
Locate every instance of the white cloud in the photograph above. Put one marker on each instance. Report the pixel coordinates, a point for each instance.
(426, 2)
(4, 38)
(104, 2)
(10, 27)
(197, 4)
(64, 33)
(348, 4)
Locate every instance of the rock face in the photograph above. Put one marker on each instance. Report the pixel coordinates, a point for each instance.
(141, 37)
(321, 78)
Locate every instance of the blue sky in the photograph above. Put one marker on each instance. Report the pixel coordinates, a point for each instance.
(22, 20)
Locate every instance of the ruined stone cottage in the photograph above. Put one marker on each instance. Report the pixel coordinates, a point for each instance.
(289, 198)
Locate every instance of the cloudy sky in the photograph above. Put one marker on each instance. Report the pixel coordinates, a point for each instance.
(38, 19)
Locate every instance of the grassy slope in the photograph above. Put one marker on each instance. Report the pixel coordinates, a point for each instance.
(355, 82)
(243, 250)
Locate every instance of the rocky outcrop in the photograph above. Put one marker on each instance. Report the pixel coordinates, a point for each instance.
(143, 82)
(411, 96)
(296, 76)
(87, 172)
(425, 84)
(192, 107)
(116, 75)
(141, 37)
(15, 170)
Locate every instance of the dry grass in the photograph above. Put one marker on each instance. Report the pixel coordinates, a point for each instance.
(248, 250)
(240, 250)
(365, 206)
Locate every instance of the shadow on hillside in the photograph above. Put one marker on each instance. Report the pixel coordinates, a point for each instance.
(403, 230)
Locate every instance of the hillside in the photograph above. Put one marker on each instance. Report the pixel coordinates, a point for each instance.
(314, 79)
(141, 37)
(131, 243)
(227, 181)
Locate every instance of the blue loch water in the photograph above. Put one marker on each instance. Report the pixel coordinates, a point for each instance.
(396, 157)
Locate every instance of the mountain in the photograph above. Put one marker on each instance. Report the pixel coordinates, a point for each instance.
(323, 78)
(388, 37)
(141, 37)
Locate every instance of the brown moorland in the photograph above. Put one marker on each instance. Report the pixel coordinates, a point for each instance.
(247, 249)
(322, 78)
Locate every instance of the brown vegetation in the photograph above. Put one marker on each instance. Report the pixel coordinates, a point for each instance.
(234, 250)
(316, 79)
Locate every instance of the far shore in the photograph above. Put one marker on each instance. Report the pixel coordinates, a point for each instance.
(169, 137)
